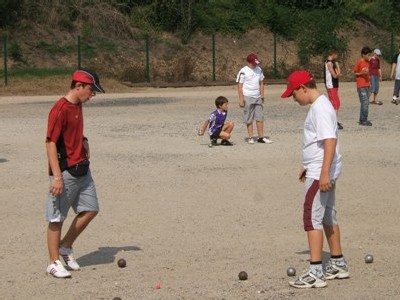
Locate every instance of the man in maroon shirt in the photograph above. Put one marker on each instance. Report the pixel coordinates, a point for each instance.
(71, 183)
(375, 75)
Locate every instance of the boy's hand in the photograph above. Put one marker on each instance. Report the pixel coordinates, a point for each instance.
(325, 183)
(200, 132)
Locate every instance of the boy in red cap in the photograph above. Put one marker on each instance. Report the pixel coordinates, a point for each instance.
(322, 166)
(250, 81)
(71, 183)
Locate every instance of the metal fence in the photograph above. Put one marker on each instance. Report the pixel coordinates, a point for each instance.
(152, 59)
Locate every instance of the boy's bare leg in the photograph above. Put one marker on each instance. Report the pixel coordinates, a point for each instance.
(260, 128)
(53, 240)
(225, 133)
(228, 127)
(77, 226)
(315, 242)
(250, 130)
(333, 237)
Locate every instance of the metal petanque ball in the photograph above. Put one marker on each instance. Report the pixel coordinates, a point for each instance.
(243, 275)
(121, 263)
(368, 258)
(291, 271)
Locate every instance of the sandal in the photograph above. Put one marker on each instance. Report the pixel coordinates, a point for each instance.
(376, 102)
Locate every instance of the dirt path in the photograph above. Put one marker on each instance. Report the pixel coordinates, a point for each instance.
(189, 217)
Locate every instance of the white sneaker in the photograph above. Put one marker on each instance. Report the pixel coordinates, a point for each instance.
(251, 141)
(334, 271)
(57, 270)
(264, 140)
(308, 280)
(68, 256)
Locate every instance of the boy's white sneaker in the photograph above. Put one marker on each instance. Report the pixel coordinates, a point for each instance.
(68, 256)
(57, 270)
(264, 140)
(334, 271)
(251, 141)
(308, 280)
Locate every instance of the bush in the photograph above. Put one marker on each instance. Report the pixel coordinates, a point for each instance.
(15, 51)
(9, 12)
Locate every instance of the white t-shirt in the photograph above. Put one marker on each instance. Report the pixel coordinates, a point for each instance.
(398, 68)
(251, 80)
(320, 124)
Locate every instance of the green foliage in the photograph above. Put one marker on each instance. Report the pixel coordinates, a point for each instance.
(314, 24)
(166, 14)
(9, 12)
(54, 48)
(15, 51)
(232, 17)
(319, 33)
(279, 19)
(38, 72)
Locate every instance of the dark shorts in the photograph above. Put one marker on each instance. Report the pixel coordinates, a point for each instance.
(216, 134)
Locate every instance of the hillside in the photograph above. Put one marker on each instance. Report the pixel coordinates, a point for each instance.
(120, 56)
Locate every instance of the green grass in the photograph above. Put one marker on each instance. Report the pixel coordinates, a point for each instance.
(37, 72)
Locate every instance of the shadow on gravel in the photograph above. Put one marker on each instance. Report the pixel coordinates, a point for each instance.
(117, 102)
(104, 255)
(131, 102)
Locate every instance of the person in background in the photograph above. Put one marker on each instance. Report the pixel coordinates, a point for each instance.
(218, 127)
(250, 81)
(375, 73)
(331, 79)
(361, 71)
(395, 74)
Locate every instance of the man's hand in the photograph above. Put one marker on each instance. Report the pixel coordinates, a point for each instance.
(86, 146)
(57, 186)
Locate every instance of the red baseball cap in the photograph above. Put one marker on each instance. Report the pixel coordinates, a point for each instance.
(88, 76)
(253, 59)
(296, 79)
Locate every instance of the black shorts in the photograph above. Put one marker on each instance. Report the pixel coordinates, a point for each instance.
(216, 134)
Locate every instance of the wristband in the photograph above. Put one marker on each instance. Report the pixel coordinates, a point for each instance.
(57, 178)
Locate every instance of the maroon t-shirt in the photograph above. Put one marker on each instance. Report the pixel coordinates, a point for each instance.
(374, 66)
(65, 128)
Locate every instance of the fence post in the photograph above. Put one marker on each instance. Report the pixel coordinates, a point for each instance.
(79, 52)
(147, 59)
(275, 65)
(5, 60)
(213, 57)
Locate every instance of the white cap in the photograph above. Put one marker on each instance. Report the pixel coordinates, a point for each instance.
(377, 51)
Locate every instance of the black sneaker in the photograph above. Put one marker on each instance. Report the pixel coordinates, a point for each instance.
(214, 142)
(339, 126)
(226, 143)
(366, 123)
(264, 140)
(394, 101)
